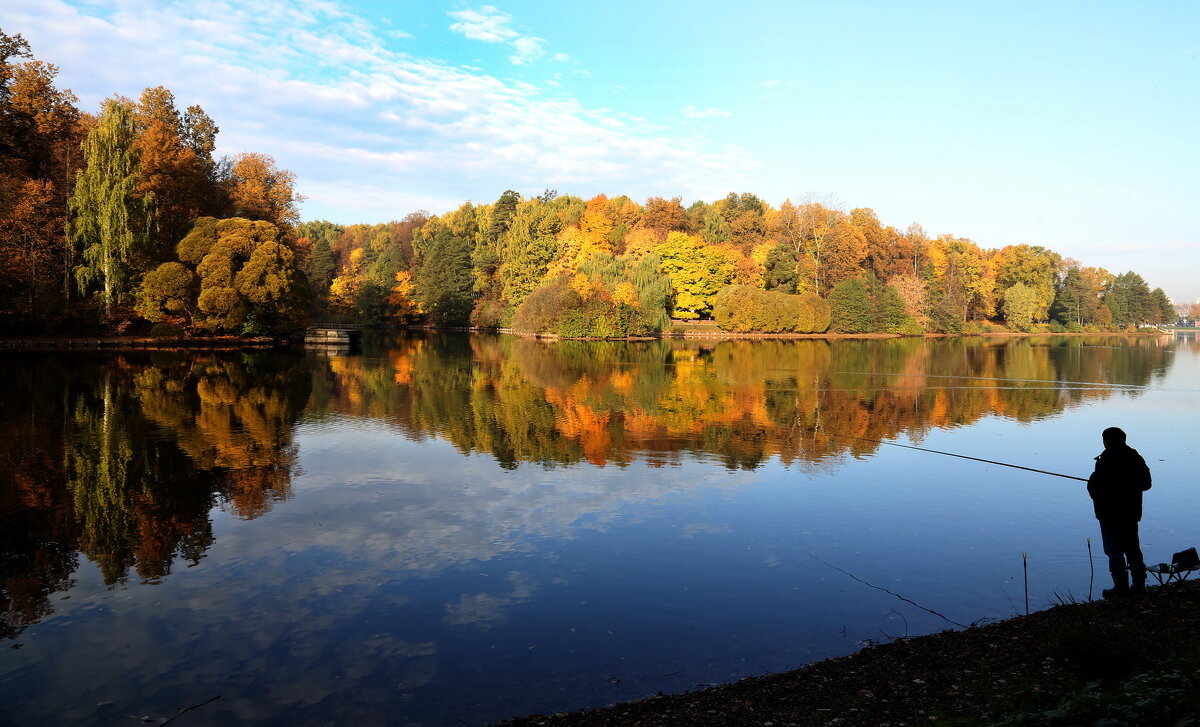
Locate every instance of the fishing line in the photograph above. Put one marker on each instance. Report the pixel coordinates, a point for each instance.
(963, 456)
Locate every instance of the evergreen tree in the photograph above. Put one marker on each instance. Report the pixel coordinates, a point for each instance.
(444, 280)
(850, 307)
(780, 270)
(1130, 301)
(1166, 311)
(321, 267)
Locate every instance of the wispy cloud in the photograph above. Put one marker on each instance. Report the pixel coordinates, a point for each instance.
(488, 23)
(492, 25)
(692, 112)
(371, 133)
(528, 49)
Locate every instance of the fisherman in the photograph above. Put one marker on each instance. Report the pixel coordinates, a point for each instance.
(1116, 488)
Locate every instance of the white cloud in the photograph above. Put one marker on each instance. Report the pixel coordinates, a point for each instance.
(692, 112)
(562, 58)
(488, 24)
(529, 49)
(372, 134)
(492, 25)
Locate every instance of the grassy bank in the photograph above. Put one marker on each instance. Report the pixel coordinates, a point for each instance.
(1133, 661)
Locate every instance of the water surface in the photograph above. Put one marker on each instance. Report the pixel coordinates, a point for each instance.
(448, 528)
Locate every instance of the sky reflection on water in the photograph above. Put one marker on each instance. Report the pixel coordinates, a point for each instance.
(474, 528)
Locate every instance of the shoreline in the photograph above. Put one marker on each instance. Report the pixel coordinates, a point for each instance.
(140, 343)
(1085, 656)
(225, 343)
(712, 334)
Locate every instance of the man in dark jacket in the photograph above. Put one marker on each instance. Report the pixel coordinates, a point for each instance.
(1116, 487)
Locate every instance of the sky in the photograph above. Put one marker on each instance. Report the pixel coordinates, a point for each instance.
(1073, 125)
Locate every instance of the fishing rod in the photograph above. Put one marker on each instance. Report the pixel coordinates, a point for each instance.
(963, 456)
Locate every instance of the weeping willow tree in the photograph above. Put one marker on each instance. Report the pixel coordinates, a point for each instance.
(108, 222)
(97, 461)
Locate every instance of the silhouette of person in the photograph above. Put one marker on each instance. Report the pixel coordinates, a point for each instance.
(1116, 487)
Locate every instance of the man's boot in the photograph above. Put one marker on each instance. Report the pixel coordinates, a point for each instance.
(1120, 587)
(1139, 579)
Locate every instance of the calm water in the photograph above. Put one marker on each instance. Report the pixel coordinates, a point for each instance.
(457, 529)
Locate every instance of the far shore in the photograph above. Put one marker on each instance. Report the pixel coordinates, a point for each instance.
(57, 342)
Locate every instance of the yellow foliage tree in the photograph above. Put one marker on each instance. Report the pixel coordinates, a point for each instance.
(344, 290)
(407, 308)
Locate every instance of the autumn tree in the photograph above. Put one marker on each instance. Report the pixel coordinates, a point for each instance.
(258, 190)
(879, 241)
(595, 227)
(663, 215)
(697, 271)
(233, 275)
(957, 274)
(39, 153)
(173, 174)
(167, 292)
(318, 237)
(1036, 268)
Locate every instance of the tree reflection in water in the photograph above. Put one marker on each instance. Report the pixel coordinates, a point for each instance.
(742, 402)
(121, 458)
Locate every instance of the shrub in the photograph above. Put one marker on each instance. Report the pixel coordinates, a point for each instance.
(542, 309)
(747, 309)
(598, 319)
(489, 313)
(166, 330)
(908, 327)
(732, 308)
(815, 316)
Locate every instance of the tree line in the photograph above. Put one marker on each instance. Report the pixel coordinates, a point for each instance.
(612, 266)
(124, 217)
(93, 204)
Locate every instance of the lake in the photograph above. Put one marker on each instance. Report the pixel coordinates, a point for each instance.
(456, 529)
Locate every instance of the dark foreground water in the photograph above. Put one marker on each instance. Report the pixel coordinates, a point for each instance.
(458, 529)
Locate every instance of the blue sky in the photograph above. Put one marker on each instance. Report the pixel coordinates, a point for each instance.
(1067, 124)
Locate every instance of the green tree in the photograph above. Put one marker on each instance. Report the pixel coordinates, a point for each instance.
(1129, 300)
(1021, 306)
(272, 285)
(781, 269)
(443, 278)
(888, 312)
(109, 223)
(166, 291)
(1166, 311)
(530, 245)
(716, 229)
(850, 307)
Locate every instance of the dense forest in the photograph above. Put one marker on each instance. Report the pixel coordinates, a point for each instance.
(124, 219)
